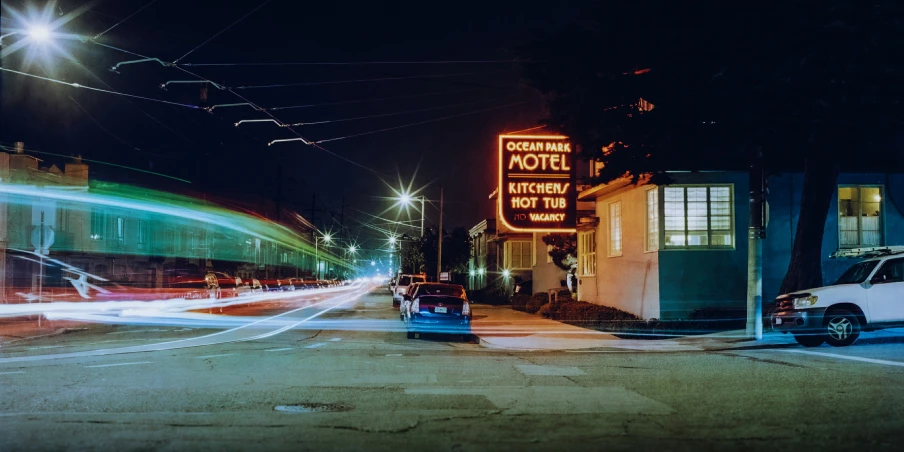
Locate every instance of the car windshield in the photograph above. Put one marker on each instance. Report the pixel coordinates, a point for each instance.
(857, 273)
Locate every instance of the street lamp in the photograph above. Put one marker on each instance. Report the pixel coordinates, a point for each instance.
(37, 33)
(326, 239)
(405, 199)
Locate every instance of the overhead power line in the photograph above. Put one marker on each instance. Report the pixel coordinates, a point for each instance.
(373, 99)
(126, 18)
(382, 79)
(350, 63)
(419, 122)
(221, 31)
(77, 85)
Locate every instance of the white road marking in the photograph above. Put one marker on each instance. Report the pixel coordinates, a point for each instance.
(7, 373)
(319, 344)
(214, 356)
(852, 358)
(395, 354)
(335, 339)
(122, 364)
(45, 346)
(278, 349)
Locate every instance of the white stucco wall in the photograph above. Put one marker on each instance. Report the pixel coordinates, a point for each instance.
(629, 282)
(546, 275)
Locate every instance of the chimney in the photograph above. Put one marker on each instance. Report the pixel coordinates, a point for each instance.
(76, 171)
(20, 147)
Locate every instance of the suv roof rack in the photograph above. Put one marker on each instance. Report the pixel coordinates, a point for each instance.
(862, 253)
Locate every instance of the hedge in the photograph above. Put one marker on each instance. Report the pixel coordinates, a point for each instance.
(604, 318)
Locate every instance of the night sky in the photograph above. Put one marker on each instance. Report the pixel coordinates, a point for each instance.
(219, 158)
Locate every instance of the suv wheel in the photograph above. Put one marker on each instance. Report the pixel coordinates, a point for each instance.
(842, 328)
(809, 340)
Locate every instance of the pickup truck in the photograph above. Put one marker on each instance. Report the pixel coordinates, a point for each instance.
(868, 296)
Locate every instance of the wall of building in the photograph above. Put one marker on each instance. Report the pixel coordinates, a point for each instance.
(694, 279)
(629, 282)
(784, 212)
(546, 275)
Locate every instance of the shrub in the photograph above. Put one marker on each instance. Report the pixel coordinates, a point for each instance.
(544, 311)
(564, 294)
(536, 301)
(519, 302)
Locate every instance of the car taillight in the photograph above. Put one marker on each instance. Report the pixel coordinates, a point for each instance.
(416, 305)
(465, 308)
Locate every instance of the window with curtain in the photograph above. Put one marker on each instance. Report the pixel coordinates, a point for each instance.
(518, 255)
(652, 236)
(587, 253)
(859, 216)
(615, 229)
(698, 217)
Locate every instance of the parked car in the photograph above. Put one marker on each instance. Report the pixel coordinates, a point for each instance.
(436, 307)
(197, 287)
(277, 285)
(402, 286)
(868, 296)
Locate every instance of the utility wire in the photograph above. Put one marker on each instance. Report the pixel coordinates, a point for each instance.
(77, 85)
(374, 99)
(351, 63)
(419, 123)
(127, 18)
(7, 148)
(383, 114)
(221, 31)
(382, 79)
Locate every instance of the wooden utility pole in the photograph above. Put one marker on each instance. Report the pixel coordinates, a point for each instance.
(756, 234)
(439, 238)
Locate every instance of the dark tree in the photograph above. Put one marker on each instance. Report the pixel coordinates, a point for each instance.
(564, 249)
(659, 86)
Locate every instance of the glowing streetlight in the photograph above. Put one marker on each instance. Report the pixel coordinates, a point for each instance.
(372, 263)
(352, 249)
(506, 273)
(39, 33)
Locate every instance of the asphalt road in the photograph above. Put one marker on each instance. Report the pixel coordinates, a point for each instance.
(373, 389)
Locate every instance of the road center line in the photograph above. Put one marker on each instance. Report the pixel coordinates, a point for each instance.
(319, 344)
(121, 364)
(335, 339)
(278, 349)
(7, 373)
(214, 356)
(852, 358)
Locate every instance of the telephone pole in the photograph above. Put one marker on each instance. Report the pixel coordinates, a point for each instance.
(755, 236)
(439, 250)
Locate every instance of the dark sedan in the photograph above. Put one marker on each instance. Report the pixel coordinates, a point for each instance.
(441, 308)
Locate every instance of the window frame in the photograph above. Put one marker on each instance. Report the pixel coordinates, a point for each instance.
(881, 217)
(97, 225)
(663, 246)
(586, 258)
(507, 249)
(621, 230)
(651, 221)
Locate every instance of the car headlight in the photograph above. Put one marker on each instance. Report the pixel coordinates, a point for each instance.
(805, 302)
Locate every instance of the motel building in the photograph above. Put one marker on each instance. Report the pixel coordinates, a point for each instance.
(665, 251)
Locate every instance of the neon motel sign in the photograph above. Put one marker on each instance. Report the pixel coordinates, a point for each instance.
(536, 183)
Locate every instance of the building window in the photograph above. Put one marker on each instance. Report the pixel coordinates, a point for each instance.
(859, 216)
(652, 239)
(698, 217)
(587, 253)
(615, 229)
(98, 225)
(517, 255)
(548, 256)
(63, 219)
(142, 232)
(120, 229)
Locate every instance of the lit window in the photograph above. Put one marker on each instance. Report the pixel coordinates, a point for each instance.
(587, 253)
(652, 240)
(698, 217)
(859, 216)
(120, 229)
(548, 256)
(615, 229)
(142, 232)
(517, 255)
(98, 225)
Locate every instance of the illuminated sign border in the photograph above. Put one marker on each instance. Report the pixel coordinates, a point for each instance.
(499, 191)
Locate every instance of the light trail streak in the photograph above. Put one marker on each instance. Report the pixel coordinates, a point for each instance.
(222, 337)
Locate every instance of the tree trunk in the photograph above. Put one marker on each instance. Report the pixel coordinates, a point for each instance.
(805, 269)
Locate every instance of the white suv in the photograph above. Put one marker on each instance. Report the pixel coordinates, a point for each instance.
(401, 287)
(868, 296)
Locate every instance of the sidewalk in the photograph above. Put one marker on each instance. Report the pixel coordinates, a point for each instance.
(14, 329)
(504, 328)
